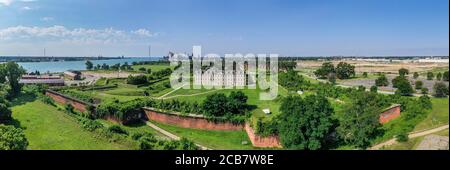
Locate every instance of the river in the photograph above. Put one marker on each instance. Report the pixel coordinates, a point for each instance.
(61, 66)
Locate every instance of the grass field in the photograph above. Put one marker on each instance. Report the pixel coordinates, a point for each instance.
(47, 128)
(153, 67)
(438, 115)
(219, 140)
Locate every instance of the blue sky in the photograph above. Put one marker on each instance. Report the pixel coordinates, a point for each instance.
(286, 27)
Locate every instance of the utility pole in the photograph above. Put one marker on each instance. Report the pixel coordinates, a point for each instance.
(44, 53)
(149, 51)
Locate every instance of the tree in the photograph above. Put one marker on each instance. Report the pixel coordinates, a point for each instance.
(345, 70)
(425, 102)
(305, 123)
(325, 70)
(374, 89)
(424, 91)
(5, 113)
(136, 80)
(382, 81)
(142, 69)
(14, 72)
(440, 90)
(403, 72)
(287, 65)
(215, 105)
(365, 75)
(404, 88)
(237, 102)
(89, 65)
(359, 124)
(12, 138)
(430, 76)
(292, 80)
(439, 76)
(445, 76)
(149, 71)
(416, 75)
(3, 73)
(419, 84)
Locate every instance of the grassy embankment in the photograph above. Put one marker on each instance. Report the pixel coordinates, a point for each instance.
(48, 128)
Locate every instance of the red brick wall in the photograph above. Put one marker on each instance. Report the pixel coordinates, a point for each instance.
(262, 142)
(190, 122)
(390, 114)
(59, 98)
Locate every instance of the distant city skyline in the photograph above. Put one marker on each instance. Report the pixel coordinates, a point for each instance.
(286, 27)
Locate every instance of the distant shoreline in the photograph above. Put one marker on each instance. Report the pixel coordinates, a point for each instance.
(31, 59)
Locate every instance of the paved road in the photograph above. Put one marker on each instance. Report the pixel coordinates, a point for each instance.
(411, 135)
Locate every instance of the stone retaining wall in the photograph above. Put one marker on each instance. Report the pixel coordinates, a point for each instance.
(390, 113)
(193, 122)
(63, 99)
(262, 142)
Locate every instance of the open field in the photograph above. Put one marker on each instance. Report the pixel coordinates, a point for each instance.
(47, 128)
(153, 67)
(412, 144)
(220, 140)
(378, 66)
(438, 115)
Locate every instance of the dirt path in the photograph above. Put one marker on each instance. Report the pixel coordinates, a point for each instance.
(171, 135)
(411, 135)
(189, 95)
(162, 97)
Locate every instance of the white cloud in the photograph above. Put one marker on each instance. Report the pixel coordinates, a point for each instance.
(6, 2)
(143, 32)
(26, 8)
(78, 35)
(46, 19)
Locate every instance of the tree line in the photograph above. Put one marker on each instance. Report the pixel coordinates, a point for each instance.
(11, 138)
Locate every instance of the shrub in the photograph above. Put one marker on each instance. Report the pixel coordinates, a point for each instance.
(425, 102)
(69, 108)
(419, 85)
(430, 76)
(374, 89)
(117, 129)
(47, 100)
(12, 138)
(445, 76)
(137, 80)
(90, 125)
(439, 76)
(365, 75)
(402, 137)
(416, 75)
(5, 112)
(424, 90)
(382, 81)
(440, 90)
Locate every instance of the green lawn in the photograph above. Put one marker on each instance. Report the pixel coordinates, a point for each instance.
(136, 128)
(47, 128)
(220, 140)
(412, 144)
(438, 115)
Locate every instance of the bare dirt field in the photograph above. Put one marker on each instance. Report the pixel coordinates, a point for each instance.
(379, 66)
